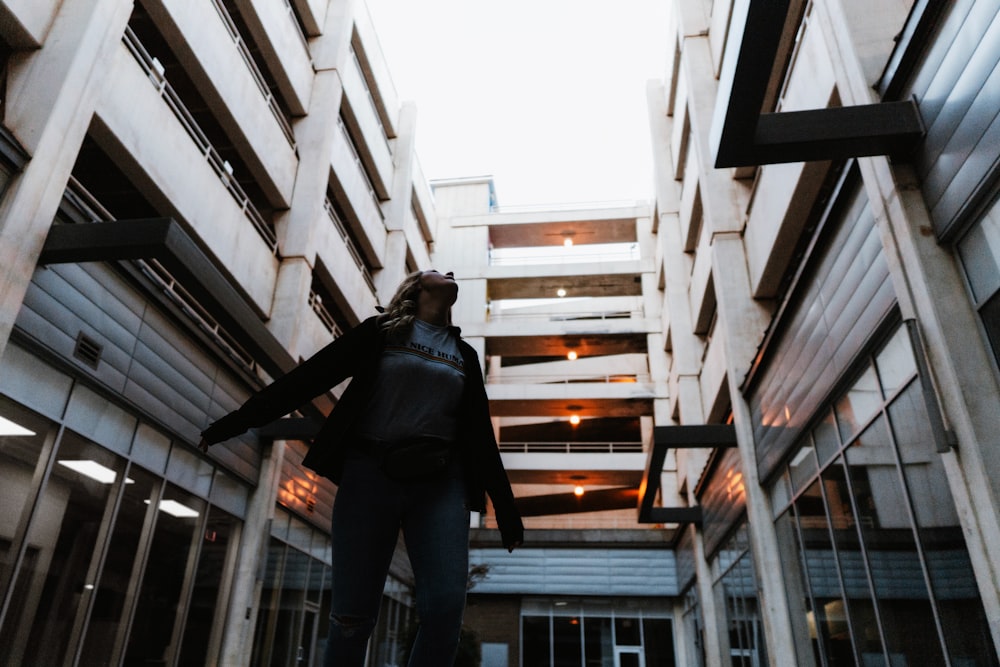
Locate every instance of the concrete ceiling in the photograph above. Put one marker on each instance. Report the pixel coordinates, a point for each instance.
(525, 235)
(586, 345)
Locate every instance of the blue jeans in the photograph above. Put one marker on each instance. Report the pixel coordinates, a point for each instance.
(368, 513)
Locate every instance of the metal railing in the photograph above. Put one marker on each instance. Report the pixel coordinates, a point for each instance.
(562, 378)
(318, 307)
(361, 165)
(368, 94)
(351, 248)
(626, 447)
(575, 255)
(88, 205)
(154, 71)
(573, 316)
(298, 27)
(258, 77)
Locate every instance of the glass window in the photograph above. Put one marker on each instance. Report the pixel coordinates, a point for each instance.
(960, 609)
(598, 641)
(802, 467)
(179, 520)
(826, 438)
(221, 536)
(828, 620)
(886, 574)
(535, 640)
(22, 439)
(658, 636)
(120, 567)
(57, 577)
(895, 363)
(979, 252)
(567, 644)
(859, 404)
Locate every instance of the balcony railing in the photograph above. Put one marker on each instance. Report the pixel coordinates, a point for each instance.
(629, 447)
(154, 71)
(318, 307)
(562, 378)
(355, 254)
(580, 254)
(575, 316)
(298, 27)
(92, 209)
(258, 77)
(368, 94)
(361, 165)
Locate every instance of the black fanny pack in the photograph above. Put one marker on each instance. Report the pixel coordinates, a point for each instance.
(413, 458)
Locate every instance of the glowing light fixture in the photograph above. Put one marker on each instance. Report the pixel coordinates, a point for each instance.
(560, 292)
(7, 427)
(568, 242)
(174, 508)
(92, 469)
(574, 419)
(571, 355)
(578, 491)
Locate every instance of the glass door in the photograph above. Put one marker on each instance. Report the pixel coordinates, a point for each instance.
(629, 656)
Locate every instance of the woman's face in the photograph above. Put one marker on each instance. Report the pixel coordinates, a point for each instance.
(435, 282)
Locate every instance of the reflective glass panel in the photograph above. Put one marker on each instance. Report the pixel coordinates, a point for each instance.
(627, 632)
(895, 363)
(71, 512)
(826, 438)
(829, 622)
(802, 467)
(175, 542)
(22, 435)
(221, 535)
(658, 637)
(567, 644)
(598, 641)
(980, 253)
(120, 566)
(904, 605)
(960, 608)
(859, 404)
(267, 611)
(535, 640)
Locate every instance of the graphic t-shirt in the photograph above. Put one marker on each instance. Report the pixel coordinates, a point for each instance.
(418, 388)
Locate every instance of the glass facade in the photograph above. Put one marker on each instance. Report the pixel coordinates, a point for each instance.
(979, 252)
(736, 588)
(104, 558)
(575, 634)
(877, 563)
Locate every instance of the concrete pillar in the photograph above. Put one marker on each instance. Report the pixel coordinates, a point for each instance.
(744, 321)
(241, 617)
(400, 203)
(50, 99)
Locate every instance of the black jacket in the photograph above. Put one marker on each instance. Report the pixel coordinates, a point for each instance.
(356, 355)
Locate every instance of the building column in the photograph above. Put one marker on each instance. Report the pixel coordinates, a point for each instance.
(398, 209)
(744, 321)
(244, 601)
(50, 100)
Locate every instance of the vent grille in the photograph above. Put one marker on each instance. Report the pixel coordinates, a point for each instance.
(88, 350)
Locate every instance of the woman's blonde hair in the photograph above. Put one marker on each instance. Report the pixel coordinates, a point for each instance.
(402, 309)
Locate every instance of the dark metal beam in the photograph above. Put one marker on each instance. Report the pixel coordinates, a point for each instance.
(568, 503)
(697, 436)
(677, 437)
(742, 135)
(165, 241)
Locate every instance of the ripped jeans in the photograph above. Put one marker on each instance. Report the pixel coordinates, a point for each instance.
(368, 513)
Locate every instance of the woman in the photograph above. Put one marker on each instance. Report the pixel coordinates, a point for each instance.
(411, 446)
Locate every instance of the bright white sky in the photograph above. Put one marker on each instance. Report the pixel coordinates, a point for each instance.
(547, 96)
